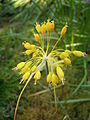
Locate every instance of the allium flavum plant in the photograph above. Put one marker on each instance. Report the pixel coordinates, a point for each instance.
(39, 57)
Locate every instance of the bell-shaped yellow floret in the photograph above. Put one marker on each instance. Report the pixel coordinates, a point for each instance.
(64, 55)
(37, 38)
(78, 53)
(55, 79)
(60, 73)
(28, 63)
(20, 65)
(28, 52)
(52, 25)
(26, 75)
(38, 28)
(48, 26)
(33, 68)
(27, 45)
(49, 77)
(37, 75)
(68, 52)
(67, 61)
(24, 69)
(63, 31)
(43, 28)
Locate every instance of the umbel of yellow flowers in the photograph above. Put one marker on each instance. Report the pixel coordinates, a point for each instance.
(54, 59)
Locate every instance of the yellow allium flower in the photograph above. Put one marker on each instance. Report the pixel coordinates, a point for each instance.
(28, 63)
(27, 45)
(34, 54)
(78, 53)
(52, 25)
(37, 38)
(28, 52)
(67, 61)
(38, 28)
(33, 68)
(68, 52)
(24, 69)
(49, 77)
(64, 55)
(55, 79)
(37, 75)
(63, 31)
(43, 28)
(26, 75)
(20, 65)
(60, 73)
(48, 25)
(33, 47)
(42, 56)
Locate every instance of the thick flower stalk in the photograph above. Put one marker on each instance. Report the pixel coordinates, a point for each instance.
(42, 55)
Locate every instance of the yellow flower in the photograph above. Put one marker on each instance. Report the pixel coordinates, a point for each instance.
(20, 65)
(35, 53)
(64, 30)
(24, 69)
(33, 47)
(49, 77)
(48, 26)
(60, 73)
(64, 55)
(26, 75)
(52, 25)
(33, 68)
(67, 61)
(28, 52)
(37, 37)
(37, 75)
(28, 63)
(55, 79)
(43, 28)
(38, 28)
(68, 52)
(78, 53)
(27, 45)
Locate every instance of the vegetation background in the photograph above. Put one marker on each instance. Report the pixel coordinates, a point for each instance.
(17, 24)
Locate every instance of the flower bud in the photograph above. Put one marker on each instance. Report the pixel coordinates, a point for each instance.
(64, 30)
(78, 53)
(37, 75)
(27, 45)
(38, 28)
(64, 55)
(68, 52)
(28, 63)
(60, 73)
(54, 79)
(49, 77)
(28, 52)
(33, 68)
(48, 26)
(37, 37)
(52, 25)
(20, 65)
(43, 28)
(26, 75)
(24, 69)
(67, 61)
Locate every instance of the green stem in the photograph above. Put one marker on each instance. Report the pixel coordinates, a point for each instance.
(57, 43)
(47, 71)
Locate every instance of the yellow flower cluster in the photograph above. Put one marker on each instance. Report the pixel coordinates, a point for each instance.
(39, 57)
(54, 78)
(43, 28)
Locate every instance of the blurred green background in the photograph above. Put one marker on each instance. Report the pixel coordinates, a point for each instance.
(17, 24)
